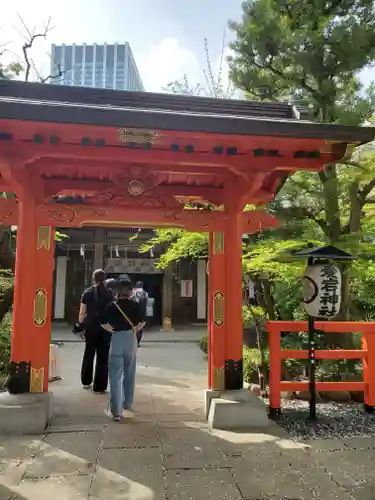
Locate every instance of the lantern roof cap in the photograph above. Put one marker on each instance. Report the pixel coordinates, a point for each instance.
(324, 252)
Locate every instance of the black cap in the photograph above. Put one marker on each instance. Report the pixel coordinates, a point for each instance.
(111, 283)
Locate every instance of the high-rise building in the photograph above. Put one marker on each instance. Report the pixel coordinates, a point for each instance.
(103, 66)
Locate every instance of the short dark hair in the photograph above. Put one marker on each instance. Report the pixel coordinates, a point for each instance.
(98, 276)
(125, 288)
(139, 284)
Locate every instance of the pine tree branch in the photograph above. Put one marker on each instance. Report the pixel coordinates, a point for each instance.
(303, 213)
(298, 185)
(302, 81)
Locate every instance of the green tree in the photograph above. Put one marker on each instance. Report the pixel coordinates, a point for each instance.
(307, 50)
(310, 52)
(178, 244)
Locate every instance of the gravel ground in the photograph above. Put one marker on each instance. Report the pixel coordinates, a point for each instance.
(334, 420)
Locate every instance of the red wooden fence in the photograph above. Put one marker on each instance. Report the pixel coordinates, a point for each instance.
(367, 354)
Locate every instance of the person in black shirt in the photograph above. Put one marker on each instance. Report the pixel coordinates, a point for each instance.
(94, 302)
(123, 318)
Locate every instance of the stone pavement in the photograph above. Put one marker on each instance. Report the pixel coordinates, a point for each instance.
(166, 451)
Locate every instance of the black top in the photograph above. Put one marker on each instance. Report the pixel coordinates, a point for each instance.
(96, 299)
(117, 321)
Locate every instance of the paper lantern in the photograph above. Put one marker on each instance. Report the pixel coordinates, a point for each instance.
(322, 290)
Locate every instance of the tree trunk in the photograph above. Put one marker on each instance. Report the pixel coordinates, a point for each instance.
(331, 203)
(354, 229)
(334, 231)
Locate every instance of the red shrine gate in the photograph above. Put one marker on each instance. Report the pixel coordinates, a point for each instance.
(86, 157)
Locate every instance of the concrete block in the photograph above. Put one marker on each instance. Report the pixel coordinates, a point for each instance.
(209, 395)
(25, 413)
(238, 410)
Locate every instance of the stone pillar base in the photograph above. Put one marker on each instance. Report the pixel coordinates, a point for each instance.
(209, 395)
(236, 410)
(25, 413)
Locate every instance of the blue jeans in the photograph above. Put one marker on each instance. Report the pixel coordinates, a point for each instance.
(121, 366)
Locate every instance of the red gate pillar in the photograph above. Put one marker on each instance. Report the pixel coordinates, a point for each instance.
(32, 300)
(216, 312)
(45, 247)
(233, 303)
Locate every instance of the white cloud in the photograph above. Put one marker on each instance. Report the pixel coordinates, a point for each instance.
(165, 62)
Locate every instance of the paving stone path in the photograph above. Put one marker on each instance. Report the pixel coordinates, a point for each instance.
(166, 450)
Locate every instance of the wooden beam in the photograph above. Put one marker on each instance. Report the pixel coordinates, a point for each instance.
(46, 166)
(31, 153)
(55, 186)
(81, 186)
(59, 215)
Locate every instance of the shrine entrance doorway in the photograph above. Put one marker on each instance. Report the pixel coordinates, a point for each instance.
(153, 285)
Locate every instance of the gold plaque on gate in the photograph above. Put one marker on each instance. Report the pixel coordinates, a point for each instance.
(36, 379)
(218, 382)
(44, 237)
(139, 135)
(218, 308)
(40, 307)
(218, 243)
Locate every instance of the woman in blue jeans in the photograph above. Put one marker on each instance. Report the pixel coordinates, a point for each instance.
(122, 318)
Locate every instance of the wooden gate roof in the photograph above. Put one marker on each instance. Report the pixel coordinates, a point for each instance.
(63, 104)
(142, 149)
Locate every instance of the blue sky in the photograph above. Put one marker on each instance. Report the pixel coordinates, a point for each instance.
(166, 35)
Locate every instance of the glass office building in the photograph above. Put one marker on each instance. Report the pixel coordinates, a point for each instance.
(102, 66)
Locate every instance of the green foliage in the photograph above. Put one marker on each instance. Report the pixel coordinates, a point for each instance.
(5, 337)
(203, 344)
(59, 237)
(306, 50)
(303, 51)
(247, 317)
(251, 359)
(10, 71)
(178, 244)
(309, 52)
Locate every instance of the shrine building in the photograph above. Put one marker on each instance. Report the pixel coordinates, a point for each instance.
(95, 158)
(178, 293)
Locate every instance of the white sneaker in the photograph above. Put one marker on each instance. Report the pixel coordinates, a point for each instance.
(108, 413)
